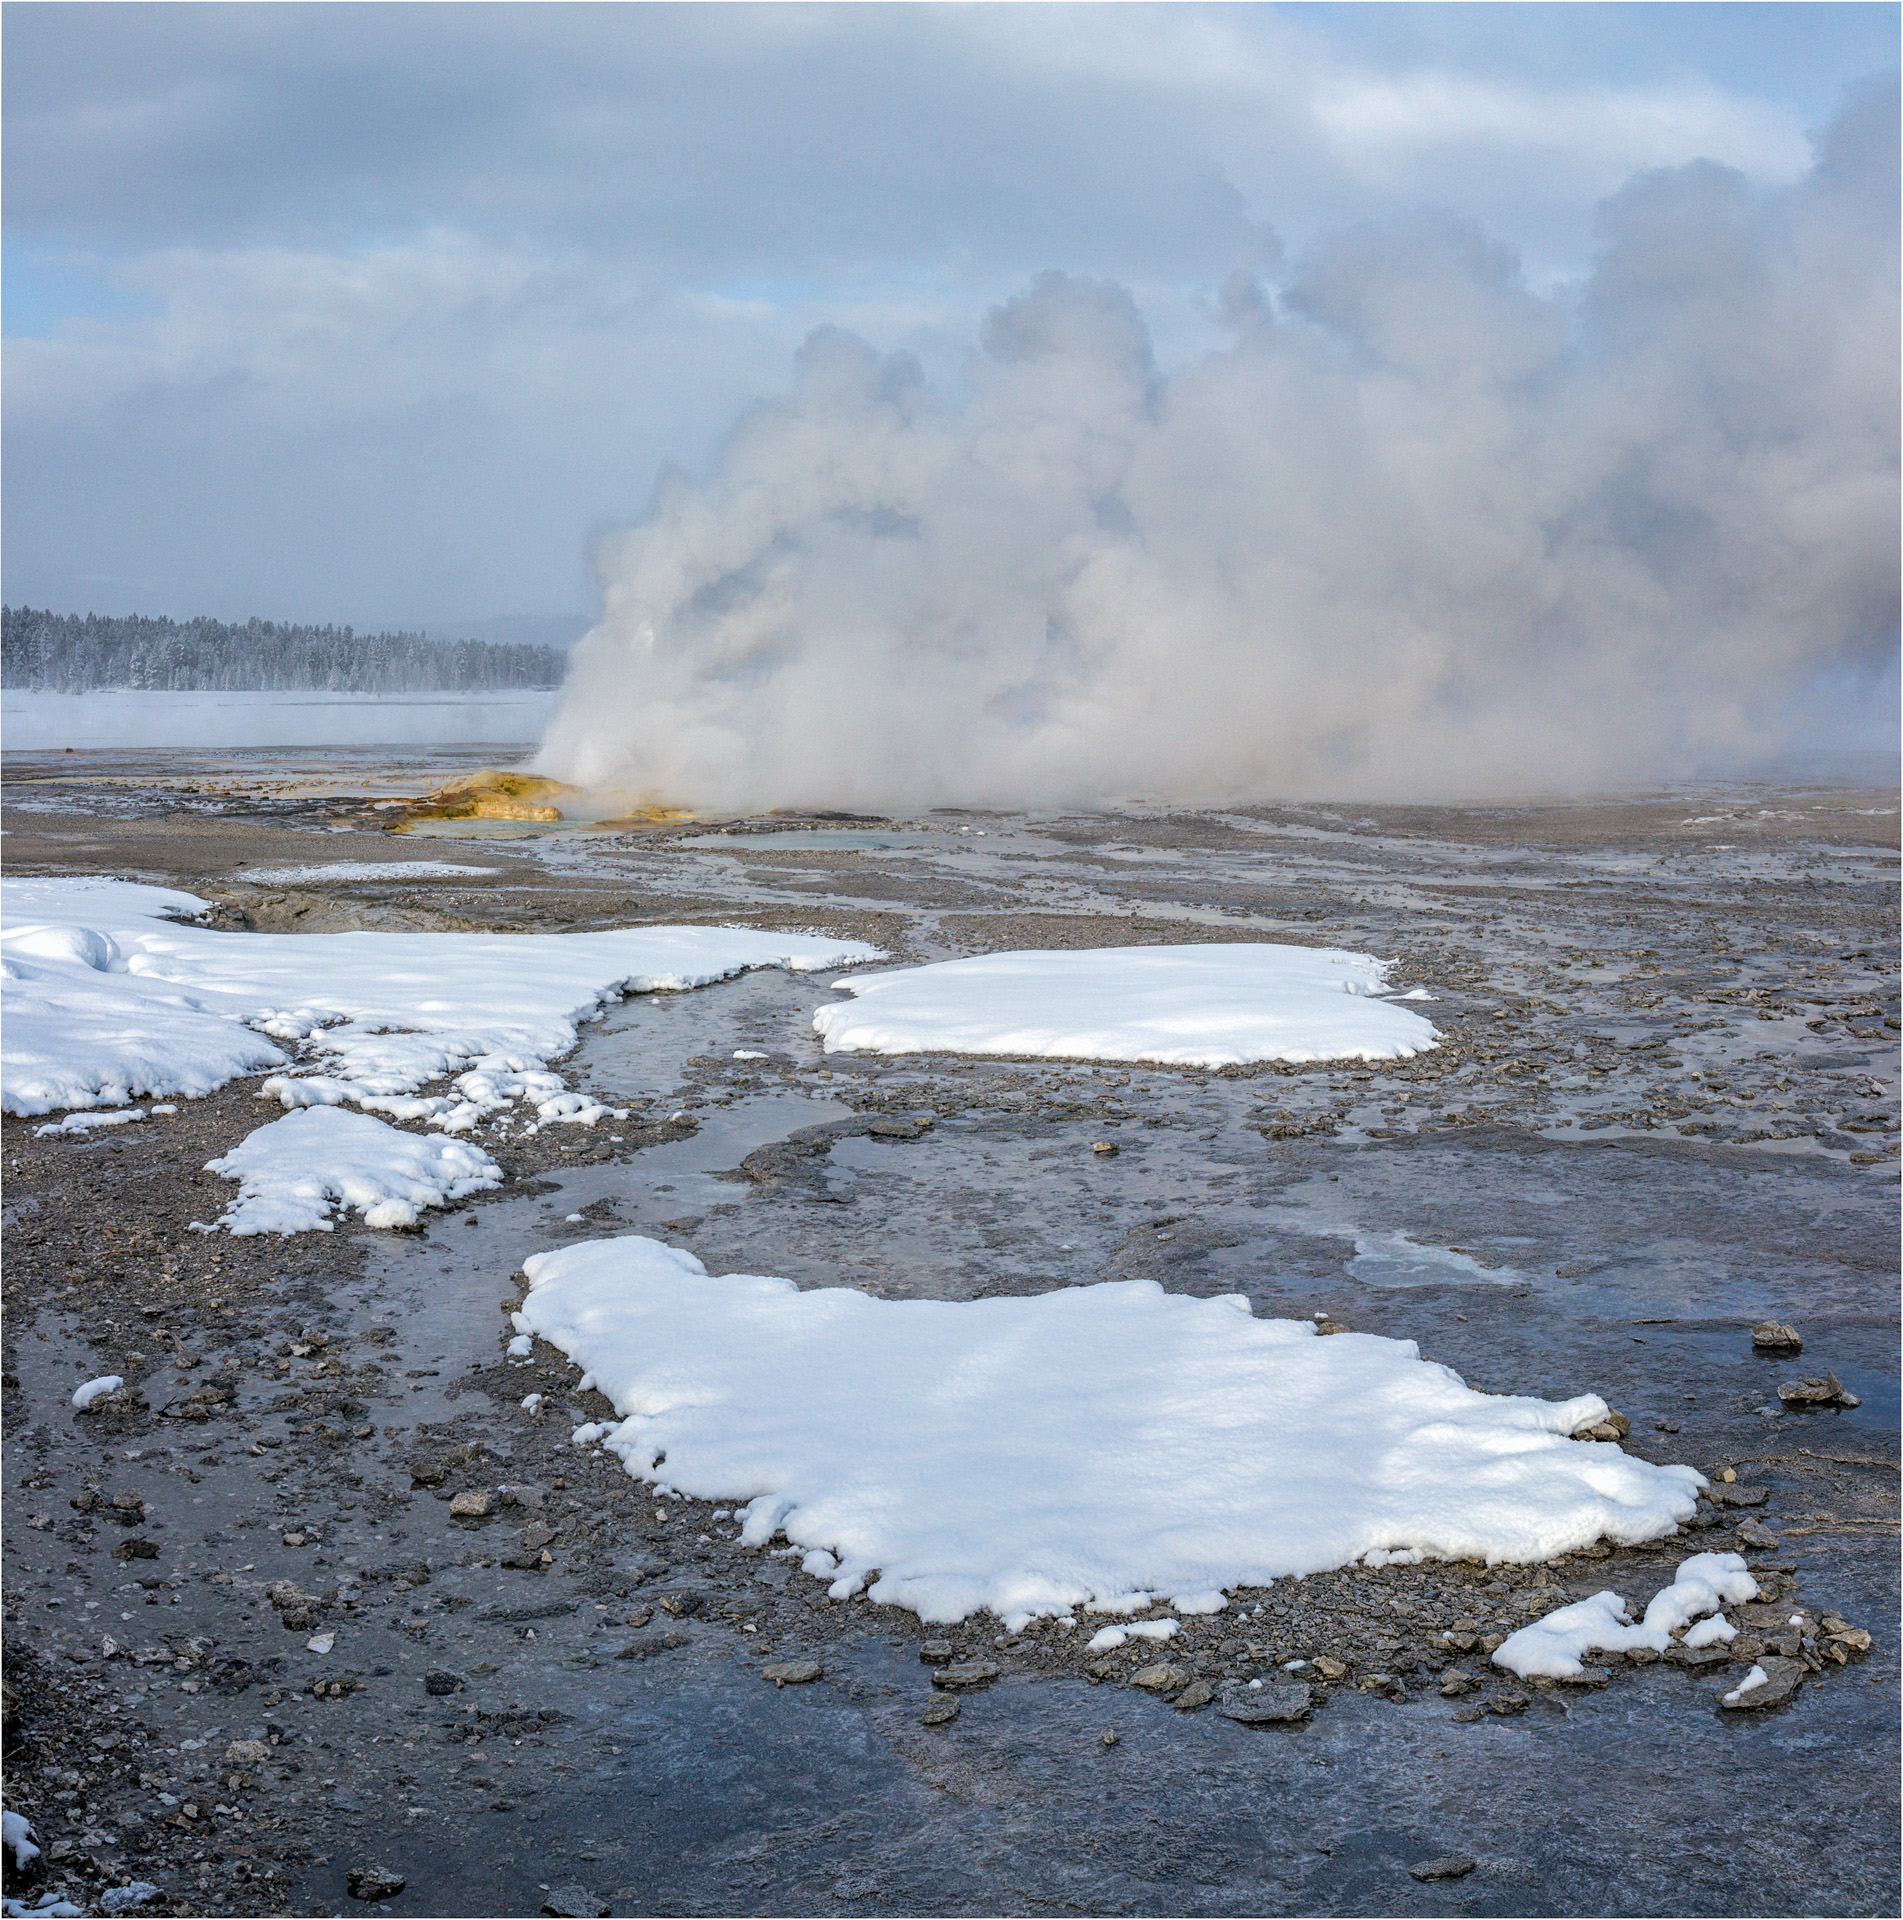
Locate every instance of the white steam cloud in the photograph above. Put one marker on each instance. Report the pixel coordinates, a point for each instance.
(1414, 531)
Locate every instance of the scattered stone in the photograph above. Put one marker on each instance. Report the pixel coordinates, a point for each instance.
(1506, 1703)
(1836, 1628)
(136, 1549)
(1755, 1534)
(1108, 1739)
(647, 1645)
(792, 1673)
(128, 1898)
(439, 1680)
(575, 1903)
(1280, 1704)
(1454, 1867)
(473, 1503)
(1161, 1678)
(1813, 1392)
(1773, 1336)
(529, 1610)
(1198, 1693)
(1105, 1147)
(1782, 1678)
(1721, 1495)
(940, 1711)
(373, 1883)
(965, 1674)
(1454, 1683)
(1615, 1426)
(938, 1653)
(1329, 1669)
(681, 1605)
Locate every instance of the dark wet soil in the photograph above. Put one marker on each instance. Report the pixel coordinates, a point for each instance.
(1665, 1110)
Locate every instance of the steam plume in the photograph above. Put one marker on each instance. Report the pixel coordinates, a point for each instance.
(1413, 531)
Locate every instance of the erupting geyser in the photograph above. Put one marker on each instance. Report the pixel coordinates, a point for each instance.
(1417, 529)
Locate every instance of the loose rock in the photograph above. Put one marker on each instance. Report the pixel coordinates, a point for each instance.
(1454, 1867)
(1773, 1336)
(1721, 1495)
(1268, 1706)
(1782, 1678)
(792, 1673)
(574, 1903)
(963, 1674)
(940, 1711)
(1161, 1678)
(373, 1883)
(1813, 1392)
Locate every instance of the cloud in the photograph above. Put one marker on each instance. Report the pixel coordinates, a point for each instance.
(378, 313)
(1415, 529)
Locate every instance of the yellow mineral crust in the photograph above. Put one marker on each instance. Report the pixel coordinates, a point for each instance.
(494, 793)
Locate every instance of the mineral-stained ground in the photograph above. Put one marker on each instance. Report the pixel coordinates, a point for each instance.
(316, 1600)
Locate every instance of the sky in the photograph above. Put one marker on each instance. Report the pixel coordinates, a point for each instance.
(404, 315)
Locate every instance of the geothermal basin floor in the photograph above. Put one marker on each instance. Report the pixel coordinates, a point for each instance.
(1664, 1110)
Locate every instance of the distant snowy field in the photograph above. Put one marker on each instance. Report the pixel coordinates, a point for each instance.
(43, 722)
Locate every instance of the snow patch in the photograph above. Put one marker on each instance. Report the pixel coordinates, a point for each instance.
(85, 1122)
(1194, 1006)
(1556, 1646)
(83, 1397)
(1108, 1639)
(1091, 1446)
(294, 1173)
(107, 996)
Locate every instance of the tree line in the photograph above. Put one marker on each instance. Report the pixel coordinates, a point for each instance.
(45, 652)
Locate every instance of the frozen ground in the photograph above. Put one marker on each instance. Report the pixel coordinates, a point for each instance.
(1549, 1202)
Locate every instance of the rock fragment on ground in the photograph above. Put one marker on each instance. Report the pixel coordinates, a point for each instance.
(1455, 1866)
(574, 1903)
(373, 1883)
(1268, 1706)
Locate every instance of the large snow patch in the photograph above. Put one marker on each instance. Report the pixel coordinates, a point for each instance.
(1194, 1006)
(1084, 1446)
(107, 997)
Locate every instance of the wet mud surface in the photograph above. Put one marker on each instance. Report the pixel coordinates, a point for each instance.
(318, 1592)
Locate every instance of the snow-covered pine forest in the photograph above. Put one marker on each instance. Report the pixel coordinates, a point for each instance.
(46, 652)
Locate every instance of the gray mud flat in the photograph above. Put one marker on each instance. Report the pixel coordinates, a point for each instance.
(323, 1596)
